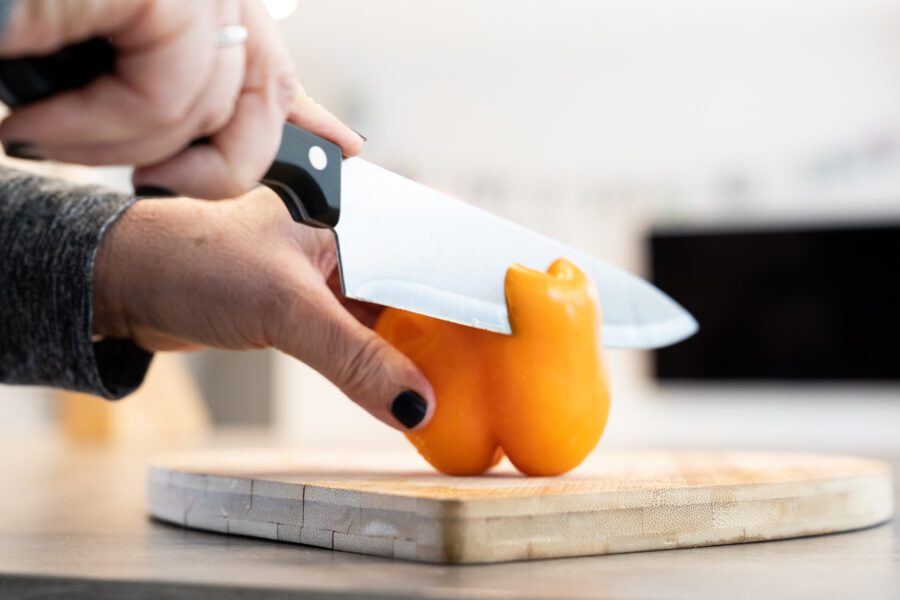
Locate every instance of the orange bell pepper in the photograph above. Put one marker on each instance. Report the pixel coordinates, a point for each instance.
(540, 395)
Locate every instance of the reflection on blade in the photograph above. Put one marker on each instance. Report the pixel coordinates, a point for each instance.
(433, 302)
(406, 246)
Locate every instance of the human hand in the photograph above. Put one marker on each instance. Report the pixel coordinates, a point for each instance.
(239, 274)
(172, 84)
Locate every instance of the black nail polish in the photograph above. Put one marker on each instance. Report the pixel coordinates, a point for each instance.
(151, 191)
(21, 150)
(364, 138)
(409, 408)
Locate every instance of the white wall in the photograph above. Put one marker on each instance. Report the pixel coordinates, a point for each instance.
(593, 120)
(582, 96)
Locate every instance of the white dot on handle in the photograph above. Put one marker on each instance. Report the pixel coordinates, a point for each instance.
(317, 158)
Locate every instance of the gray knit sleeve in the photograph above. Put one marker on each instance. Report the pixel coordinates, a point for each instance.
(49, 234)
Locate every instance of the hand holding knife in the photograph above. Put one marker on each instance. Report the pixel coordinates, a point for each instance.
(400, 244)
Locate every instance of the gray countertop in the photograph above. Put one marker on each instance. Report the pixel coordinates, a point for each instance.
(72, 522)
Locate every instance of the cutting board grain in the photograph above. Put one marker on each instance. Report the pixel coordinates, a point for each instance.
(616, 502)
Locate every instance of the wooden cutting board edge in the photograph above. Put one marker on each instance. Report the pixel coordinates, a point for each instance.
(502, 529)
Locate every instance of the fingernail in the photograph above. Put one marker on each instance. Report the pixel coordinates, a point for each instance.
(151, 191)
(364, 138)
(21, 150)
(409, 408)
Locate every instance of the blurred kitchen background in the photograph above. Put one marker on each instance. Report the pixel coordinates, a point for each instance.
(656, 134)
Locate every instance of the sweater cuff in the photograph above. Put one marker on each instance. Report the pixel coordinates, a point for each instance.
(50, 232)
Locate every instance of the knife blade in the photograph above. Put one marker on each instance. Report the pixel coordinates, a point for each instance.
(404, 245)
(400, 244)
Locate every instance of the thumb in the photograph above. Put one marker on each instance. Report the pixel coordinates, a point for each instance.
(361, 363)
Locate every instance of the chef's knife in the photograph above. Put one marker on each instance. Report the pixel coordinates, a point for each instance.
(400, 243)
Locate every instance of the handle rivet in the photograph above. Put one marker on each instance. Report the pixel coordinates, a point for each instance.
(317, 158)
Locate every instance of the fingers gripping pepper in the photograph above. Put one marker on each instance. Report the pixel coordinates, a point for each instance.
(540, 395)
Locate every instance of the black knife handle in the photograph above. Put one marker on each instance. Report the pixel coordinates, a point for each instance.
(306, 175)
(30, 78)
(306, 172)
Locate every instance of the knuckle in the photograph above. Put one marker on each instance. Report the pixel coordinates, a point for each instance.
(276, 304)
(361, 366)
(217, 117)
(243, 177)
(289, 90)
(234, 187)
(229, 182)
(168, 112)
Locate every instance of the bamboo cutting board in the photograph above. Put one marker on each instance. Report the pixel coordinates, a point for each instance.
(617, 502)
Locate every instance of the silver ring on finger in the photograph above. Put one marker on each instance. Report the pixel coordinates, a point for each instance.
(231, 35)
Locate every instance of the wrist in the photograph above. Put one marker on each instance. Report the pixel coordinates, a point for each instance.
(108, 314)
